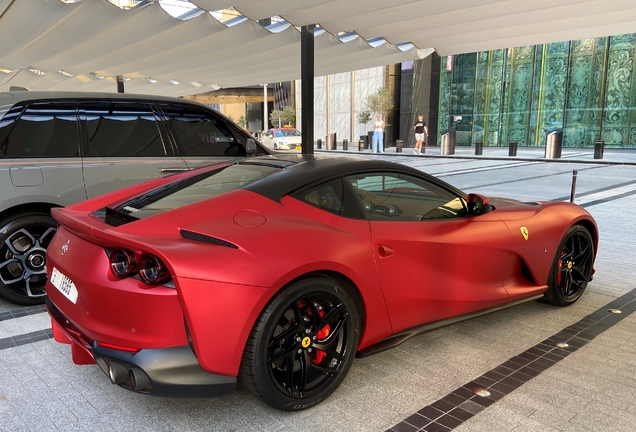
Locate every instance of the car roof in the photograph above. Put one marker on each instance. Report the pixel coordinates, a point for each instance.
(14, 97)
(301, 170)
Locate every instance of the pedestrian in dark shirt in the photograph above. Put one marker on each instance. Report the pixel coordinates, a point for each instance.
(420, 134)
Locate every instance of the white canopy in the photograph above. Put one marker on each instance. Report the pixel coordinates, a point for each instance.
(50, 45)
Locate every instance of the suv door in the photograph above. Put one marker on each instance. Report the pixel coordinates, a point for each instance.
(39, 163)
(202, 137)
(41, 153)
(123, 145)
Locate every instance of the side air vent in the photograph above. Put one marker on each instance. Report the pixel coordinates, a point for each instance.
(206, 239)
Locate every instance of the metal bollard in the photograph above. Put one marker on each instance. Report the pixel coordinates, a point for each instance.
(575, 174)
(361, 145)
(554, 144)
(512, 147)
(318, 143)
(345, 144)
(331, 141)
(479, 148)
(398, 146)
(448, 144)
(599, 149)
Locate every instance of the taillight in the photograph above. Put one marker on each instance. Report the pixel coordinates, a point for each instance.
(152, 271)
(123, 263)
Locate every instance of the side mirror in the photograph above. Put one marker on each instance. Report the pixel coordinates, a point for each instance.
(477, 204)
(251, 147)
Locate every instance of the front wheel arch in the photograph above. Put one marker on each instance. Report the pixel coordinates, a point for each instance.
(572, 266)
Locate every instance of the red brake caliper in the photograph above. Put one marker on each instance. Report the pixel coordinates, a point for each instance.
(321, 335)
(560, 265)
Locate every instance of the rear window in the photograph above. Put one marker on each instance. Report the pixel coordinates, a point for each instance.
(188, 191)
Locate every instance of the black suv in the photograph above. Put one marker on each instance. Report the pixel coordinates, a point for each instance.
(60, 148)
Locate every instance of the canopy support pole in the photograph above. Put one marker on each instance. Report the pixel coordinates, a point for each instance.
(307, 88)
(120, 84)
(265, 122)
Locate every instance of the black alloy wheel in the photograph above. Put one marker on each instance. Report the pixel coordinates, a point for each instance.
(572, 267)
(303, 344)
(23, 243)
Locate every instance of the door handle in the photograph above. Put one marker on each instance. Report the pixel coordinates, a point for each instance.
(386, 251)
(173, 170)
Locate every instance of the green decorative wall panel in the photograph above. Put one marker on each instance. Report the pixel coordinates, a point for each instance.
(585, 87)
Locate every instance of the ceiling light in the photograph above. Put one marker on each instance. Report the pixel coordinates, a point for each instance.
(196, 84)
(37, 71)
(175, 82)
(151, 81)
(66, 74)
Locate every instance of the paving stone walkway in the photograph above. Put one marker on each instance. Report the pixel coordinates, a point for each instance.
(593, 388)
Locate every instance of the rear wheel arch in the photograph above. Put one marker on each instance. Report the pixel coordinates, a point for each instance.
(343, 280)
(24, 209)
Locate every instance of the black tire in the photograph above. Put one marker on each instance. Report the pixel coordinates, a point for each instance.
(23, 242)
(302, 345)
(571, 268)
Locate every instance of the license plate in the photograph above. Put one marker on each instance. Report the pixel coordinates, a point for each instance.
(64, 285)
(299, 148)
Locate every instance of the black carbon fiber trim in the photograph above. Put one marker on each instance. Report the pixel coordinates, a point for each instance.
(206, 239)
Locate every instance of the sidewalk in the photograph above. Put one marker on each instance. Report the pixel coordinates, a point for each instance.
(581, 155)
(416, 386)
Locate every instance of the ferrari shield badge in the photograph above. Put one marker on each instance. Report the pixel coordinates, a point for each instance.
(524, 232)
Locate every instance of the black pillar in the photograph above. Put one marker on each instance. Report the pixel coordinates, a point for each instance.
(120, 84)
(307, 87)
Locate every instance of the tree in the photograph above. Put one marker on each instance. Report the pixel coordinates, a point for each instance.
(364, 117)
(283, 117)
(381, 102)
(242, 122)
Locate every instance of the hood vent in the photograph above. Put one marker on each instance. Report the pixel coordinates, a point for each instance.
(190, 235)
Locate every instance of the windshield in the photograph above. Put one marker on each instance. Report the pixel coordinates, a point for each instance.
(286, 133)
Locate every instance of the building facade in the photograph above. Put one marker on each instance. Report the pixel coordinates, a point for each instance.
(587, 88)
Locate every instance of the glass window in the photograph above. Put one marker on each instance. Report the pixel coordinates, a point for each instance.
(394, 196)
(194, 189)
(327, 196)
(122, 129)
(44, 130)
(200, 133)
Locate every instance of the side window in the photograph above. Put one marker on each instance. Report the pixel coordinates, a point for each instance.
(123, 129)
(45, 129)
(395, 196)
(200, 133)
(327, 196)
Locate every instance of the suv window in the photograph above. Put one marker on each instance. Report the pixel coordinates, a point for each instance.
(122, 129)
(45, 129)
(202, 134)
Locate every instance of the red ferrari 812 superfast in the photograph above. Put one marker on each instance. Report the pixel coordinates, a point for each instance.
(278, 270)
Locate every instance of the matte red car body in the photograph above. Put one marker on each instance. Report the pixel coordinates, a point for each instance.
(407, 273)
